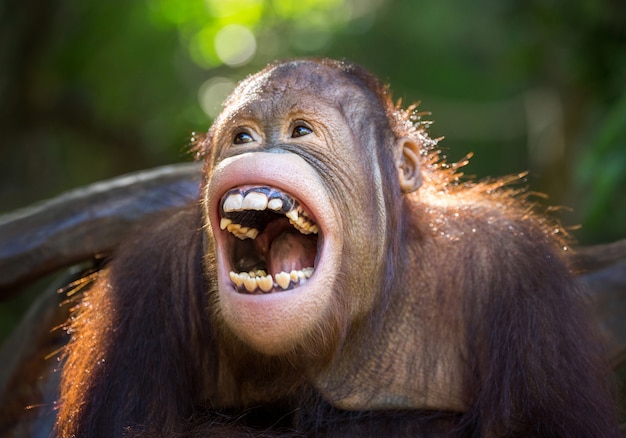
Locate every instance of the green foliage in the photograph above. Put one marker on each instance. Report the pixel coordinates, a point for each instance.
(216, 32)
(601, 175)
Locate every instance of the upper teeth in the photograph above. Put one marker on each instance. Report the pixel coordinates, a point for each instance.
(238, 230)
(261, 199)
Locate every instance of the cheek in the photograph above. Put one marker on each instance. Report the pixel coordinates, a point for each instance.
(366, 239)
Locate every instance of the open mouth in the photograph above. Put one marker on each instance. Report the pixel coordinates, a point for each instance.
(274, 239)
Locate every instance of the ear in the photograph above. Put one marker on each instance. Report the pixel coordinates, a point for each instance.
(408, 164)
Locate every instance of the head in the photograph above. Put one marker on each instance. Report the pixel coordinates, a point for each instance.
(306, 166)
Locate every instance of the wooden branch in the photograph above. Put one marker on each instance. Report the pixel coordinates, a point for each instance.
(83, 223)
(596, 257)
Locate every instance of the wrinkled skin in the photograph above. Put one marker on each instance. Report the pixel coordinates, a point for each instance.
(391, 299)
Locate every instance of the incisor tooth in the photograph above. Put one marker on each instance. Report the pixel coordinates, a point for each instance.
(283, 279)
(265, 283)
(275, 204)
(224, 223)
(254, 201)
(233, 202)
(250, 284)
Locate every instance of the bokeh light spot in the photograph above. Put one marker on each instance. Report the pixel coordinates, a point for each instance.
(212, 93)
(235, 45)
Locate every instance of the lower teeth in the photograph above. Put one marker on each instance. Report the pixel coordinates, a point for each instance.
(259, 280)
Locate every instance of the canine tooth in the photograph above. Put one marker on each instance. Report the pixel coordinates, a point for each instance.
(265, 283)
(275, 204)
(224, 223)
(236, 278)
(233, 202)
(250, 284)
(293, 215)
(254, 201)
(283, 279)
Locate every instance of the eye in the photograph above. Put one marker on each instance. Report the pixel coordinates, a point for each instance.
(301, 131)
(242, 138)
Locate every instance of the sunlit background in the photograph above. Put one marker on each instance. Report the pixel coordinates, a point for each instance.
(93, 89)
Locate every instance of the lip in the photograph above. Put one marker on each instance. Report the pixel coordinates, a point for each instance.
(258, 318)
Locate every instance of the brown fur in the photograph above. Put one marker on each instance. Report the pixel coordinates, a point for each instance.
(472, 277)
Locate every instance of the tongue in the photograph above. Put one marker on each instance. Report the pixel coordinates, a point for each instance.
(291, 250)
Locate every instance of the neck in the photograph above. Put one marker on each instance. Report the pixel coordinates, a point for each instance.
(403, 356)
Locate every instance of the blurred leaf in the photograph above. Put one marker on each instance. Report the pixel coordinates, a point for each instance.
(602, 174)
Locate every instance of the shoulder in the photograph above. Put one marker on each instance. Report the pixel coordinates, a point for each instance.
(163, 233)
(499, 228)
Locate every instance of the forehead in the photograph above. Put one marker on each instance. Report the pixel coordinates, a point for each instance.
(299, 85)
